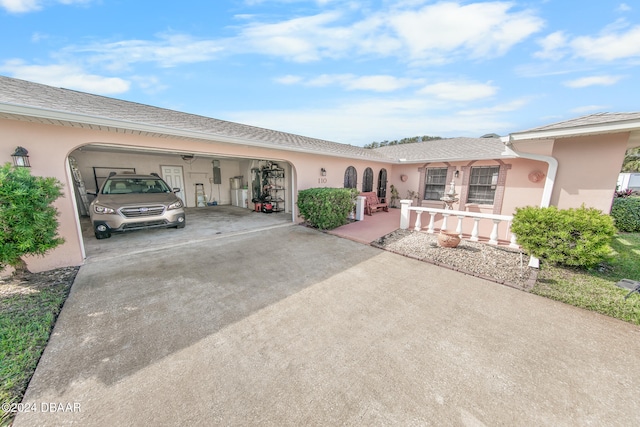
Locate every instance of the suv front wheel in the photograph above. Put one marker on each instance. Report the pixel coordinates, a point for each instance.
(102, 231)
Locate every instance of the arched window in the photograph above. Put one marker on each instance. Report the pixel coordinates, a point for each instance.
(382, 184)
(350, 177)
(367, 180)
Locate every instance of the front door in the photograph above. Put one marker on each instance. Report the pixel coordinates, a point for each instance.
(173, 176)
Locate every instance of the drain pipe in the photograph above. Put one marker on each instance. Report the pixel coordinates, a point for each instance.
(549, 180)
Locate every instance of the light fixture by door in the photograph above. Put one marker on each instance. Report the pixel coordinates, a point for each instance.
(323, 172)
(21, 157)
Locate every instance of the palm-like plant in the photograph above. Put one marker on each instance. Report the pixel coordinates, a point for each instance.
(631, 161)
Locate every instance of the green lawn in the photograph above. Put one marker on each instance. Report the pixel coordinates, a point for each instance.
(595, 289)
(27, 316)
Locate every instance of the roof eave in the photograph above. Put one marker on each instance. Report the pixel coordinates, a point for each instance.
(627, 126)
(452, 159)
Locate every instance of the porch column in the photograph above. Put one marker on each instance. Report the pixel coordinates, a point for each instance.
(404, 214)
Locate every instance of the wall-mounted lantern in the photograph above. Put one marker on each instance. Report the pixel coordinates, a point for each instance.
(21, 157)
(456, 173)
(323, 172)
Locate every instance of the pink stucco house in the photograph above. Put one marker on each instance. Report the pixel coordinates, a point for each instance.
(565, 164)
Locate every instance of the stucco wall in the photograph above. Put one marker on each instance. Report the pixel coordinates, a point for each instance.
(588, 170)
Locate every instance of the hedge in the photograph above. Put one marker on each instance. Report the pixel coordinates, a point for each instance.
(626, 214)
(572, 237)
(326, 208)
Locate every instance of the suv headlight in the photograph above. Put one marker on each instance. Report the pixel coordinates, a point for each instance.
(175, 205)
(99, 209)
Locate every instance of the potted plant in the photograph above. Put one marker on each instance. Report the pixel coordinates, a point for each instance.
(395, 196)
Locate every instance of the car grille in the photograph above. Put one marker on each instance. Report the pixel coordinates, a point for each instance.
(145, 224)
(142, 211)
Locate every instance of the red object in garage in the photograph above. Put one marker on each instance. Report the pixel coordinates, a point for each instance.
(258, 206)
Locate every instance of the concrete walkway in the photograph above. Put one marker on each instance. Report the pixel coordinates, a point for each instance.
(291, 326)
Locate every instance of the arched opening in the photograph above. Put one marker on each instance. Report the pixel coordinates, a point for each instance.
(367, 180)
(382, 184)
(350, 177)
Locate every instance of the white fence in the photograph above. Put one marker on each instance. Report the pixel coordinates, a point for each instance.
(446, 214)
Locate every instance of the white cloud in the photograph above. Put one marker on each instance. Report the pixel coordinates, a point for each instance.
(459, 91)
(615, 42)
(593, 81)
(300, 39)
(289, 79)
(24, 6)
(20, 6)
(623, 7)
(436, 33)
(67, 76)
(170, 50)
(375, 83)
(554, 46)
(609, 45)
(479, 29)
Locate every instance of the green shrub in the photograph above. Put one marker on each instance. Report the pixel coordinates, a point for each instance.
(28, 224)
(572, 237)
(326, 208)
(626, 214)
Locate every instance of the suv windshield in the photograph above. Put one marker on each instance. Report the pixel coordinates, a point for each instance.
(134, 186)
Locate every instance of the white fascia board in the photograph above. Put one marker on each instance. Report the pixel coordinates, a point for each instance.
(451, 159)
(44, 113)
(577, 131)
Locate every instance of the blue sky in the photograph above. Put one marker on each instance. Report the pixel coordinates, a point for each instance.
(347, 71)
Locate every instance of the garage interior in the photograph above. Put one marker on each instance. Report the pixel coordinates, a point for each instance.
(222, 195)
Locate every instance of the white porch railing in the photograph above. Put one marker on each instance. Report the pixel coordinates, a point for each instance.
(405, 215)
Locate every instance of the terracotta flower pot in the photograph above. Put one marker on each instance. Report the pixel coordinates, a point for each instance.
(448, 239)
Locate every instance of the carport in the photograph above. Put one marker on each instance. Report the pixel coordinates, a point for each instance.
(217, 191)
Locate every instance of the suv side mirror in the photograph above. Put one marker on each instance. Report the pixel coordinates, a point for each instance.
(176, 190)
(92, 193)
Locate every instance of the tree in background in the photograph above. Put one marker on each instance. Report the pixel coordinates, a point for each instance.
(402, 141)
(631, 161)
(28, 220)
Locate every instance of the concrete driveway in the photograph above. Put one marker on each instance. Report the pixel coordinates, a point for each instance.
(289, 326)
(202, 224)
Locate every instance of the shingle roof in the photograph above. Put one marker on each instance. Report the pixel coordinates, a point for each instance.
(446, 150)
(589, 120)
(87, 106)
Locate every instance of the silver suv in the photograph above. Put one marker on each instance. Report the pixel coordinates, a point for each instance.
(131, 202)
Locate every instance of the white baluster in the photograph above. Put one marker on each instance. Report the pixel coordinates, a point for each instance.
(493, 238)
(444, 221)
(475, 231)
(432, 222)
(418, 221)
(459, 227)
